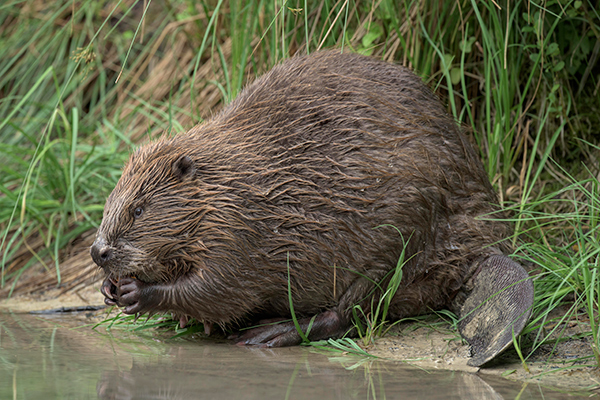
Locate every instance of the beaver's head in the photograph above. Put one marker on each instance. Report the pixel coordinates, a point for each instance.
(150, 228)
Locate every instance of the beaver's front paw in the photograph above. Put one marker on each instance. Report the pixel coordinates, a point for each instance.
(109, 290)
(135, 296)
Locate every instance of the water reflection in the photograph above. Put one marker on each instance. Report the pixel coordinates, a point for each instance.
(44, 358)
(219, 372)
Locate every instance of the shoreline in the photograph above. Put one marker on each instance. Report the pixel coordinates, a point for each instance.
(430, 345)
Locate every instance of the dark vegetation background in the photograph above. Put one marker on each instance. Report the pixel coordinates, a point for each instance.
(83, 82)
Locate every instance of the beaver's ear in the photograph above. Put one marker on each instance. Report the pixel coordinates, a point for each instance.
(184, 168)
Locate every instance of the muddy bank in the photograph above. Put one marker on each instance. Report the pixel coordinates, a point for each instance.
(431, 345)
(437, 346)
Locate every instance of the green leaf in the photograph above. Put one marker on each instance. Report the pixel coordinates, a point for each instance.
(559, 66)
(466, 45)
(448, 60)
(455, 75)
(534, 57)
(374, 33)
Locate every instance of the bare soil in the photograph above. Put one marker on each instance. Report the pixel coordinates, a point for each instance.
(569, 365)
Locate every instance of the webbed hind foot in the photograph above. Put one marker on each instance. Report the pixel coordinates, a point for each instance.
(325, 325)
(498, 306)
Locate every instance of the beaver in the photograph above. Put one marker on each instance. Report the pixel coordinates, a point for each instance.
(310, 189)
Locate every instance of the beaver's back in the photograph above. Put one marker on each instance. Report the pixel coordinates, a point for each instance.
(328, 155)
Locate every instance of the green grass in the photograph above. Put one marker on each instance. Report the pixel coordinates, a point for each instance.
(564, 246)
(82, 83)
(373, 323)
(143, 323)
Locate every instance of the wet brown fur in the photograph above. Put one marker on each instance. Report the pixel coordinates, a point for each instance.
(312, 166)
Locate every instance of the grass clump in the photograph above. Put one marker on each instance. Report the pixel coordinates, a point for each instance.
(564, 230)
(83, 82)
(374, 323)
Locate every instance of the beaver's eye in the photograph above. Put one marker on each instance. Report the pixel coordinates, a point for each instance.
(138, 212)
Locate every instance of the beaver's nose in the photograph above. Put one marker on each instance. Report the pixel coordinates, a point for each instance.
(101, 253)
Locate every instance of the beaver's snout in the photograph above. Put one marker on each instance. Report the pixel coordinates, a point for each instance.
(101, 253)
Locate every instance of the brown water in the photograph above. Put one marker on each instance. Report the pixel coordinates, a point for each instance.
(46, 358)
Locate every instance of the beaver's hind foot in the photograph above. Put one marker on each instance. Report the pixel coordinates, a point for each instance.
(326, 325)
(496, 309)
